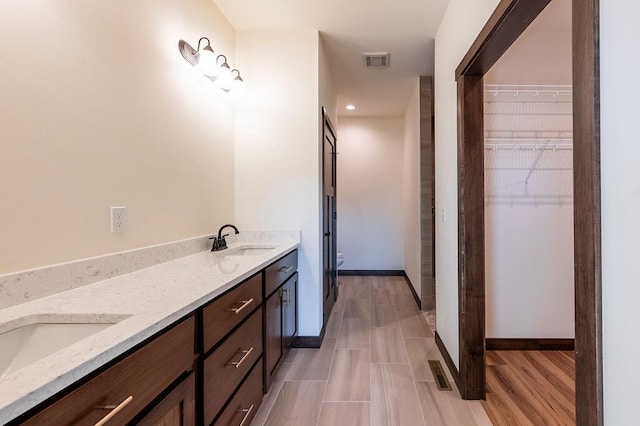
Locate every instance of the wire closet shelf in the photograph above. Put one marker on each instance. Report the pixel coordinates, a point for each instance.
(524, 93)
(528, 144)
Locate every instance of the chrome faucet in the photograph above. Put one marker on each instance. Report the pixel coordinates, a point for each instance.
(219, 243)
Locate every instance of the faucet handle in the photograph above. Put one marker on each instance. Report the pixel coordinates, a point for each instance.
(222, 243)
(215, 245)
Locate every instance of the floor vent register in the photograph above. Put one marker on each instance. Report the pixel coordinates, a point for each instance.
(438, 373)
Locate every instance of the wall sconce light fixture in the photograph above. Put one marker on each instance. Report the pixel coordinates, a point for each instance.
(207, 63)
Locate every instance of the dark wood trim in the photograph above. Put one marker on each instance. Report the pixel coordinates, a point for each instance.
(371, 272)
(413, 290)
(447, 360)
(530, 344)
(308, 341)
(587, 210)
(509, 20)
(505, 25)
(471, 302)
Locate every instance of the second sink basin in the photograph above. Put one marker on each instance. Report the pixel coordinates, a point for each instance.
(29, 343)
(249, 250)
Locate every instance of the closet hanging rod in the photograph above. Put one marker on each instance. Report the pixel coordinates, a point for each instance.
(526, 169)
(529, 86)
(534, 92)
(536, 139)
(527, 147)
(529, 89)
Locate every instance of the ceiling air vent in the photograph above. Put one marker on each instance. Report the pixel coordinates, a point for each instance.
(376, 60)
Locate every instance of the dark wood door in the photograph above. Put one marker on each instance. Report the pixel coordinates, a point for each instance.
(290, 307)
(329, 216)
(273, 335)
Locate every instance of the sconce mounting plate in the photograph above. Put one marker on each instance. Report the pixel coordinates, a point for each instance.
(188, 52)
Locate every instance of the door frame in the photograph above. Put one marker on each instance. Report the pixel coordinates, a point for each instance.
(333, 263)
(505, 25)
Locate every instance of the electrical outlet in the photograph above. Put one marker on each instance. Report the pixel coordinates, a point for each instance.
(118, 219)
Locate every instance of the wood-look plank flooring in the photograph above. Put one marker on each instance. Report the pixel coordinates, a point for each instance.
(530, 388)
(371, 369)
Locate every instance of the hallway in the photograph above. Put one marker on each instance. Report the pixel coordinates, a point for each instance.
(371, 369)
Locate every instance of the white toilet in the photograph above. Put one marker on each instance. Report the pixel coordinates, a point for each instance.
(340, 258)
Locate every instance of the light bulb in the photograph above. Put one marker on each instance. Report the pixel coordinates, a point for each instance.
(237, 85)
(225, 79)
(207, 62)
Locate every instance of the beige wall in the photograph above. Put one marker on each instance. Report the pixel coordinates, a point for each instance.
(370, 193)
(411, 190)
(99, 109)
(277, 161)
(460, 26)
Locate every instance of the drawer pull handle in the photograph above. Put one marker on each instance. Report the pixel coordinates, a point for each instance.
(244, 357)
(286, 270)
(247, 411)
(245, 303)
(115, 409)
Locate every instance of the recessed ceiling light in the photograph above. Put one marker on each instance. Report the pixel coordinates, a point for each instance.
(350, 107)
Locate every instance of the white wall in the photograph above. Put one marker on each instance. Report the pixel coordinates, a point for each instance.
(529, 271)
(327, 93)
(411, 190)
(460, 26)
(620, 151)
(99, 109)
(370, 193)
(277, 173)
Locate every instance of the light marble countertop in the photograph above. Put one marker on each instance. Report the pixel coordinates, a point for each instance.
(144, 302)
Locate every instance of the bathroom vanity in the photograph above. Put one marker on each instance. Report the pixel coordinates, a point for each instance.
(192, 358)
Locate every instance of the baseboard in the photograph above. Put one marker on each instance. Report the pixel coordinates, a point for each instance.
(371, 272)
(308, 341)
(413, 290)
(447, 359)
(530, 344)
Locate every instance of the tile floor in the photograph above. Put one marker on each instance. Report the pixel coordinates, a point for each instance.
(371, 369)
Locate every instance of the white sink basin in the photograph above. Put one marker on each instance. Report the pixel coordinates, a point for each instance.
(27, 344)
(249, 250)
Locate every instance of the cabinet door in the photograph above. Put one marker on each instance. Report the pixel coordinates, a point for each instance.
(176, 409)
(290, 309)
(273, 335)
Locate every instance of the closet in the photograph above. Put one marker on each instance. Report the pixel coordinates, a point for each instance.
(529, 211)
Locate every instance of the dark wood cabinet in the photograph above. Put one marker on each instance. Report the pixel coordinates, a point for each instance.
(279, 272)
(245, 403)
(273, 350)
(123, 390)
(210, 367)
(281, 326)
(178, 408)
(230, 363)
(227, 311)
(290, 310)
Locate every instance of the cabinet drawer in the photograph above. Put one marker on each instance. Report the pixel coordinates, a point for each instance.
(279, 272)
(130, 385)
(225, 368)
(229, 310)
(243, 406)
